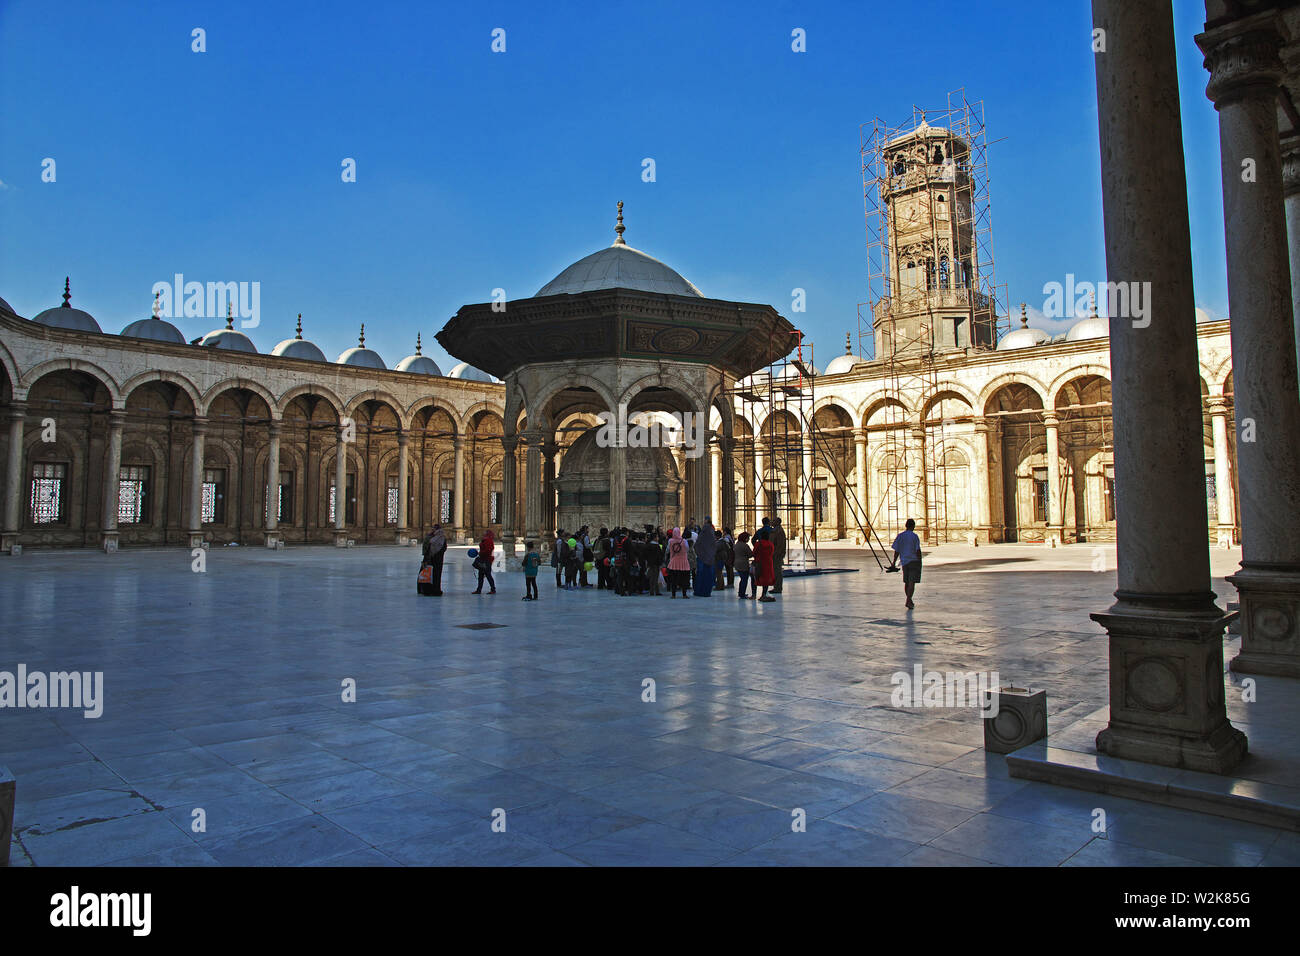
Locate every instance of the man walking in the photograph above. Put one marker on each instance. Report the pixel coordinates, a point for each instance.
(778, 555)
(907, 551)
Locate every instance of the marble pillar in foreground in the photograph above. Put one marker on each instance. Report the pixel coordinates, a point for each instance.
(1166, 632)
(9, 534)
(1245, 66)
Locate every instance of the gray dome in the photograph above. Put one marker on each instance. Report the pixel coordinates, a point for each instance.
(619, 267)
(230, 339)
(360, 356)
(154, 329)
(421, 364)
(299, 348)
(7, 307)
(1023, 337)
(66, 317)
(469, 373)
(1093, 327)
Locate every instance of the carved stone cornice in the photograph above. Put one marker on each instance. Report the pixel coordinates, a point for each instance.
(1243, 58)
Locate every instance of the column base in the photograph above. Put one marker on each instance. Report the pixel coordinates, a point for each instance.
(1227, 537)
(1052, 538)
(403, 536)
(1270, 621)
(108, 541)
(197, 540)
(274, 540)
(9, 540)
(1167, 703)
(341, 539)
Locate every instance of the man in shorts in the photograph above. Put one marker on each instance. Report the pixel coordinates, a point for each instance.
(907, 551)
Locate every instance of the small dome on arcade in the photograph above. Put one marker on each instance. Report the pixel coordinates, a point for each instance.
(360, 356)
(469, 373)
(229, 338)
(1093, 327)
(418, 362)
(1023, 337)
(299, 348)
(66, 317)
(846, 362)
(156, 329)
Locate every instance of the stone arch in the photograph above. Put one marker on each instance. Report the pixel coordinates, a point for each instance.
(569, 380)
(840, 403)
(145, 378)
(465, 424)
(248, 385)
(34, 375)
(994, 385)
(1069, 375)
(384, 398)
(875, 403)
(665, 381)
(318, 391)
(9, 365)
(434, 405)
(947, 388)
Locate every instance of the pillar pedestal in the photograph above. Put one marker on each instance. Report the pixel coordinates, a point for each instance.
(108, 541)
(1166, 686)
(1270, 621)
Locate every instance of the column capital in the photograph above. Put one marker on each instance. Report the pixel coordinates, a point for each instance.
(860, 434)
(981, 425)
(403, 437)
(458, 441)
(199, 425)
(1051, 419)
(1217, 404)
(1291, 165)
(509, 443)
(16, 411)
(116, 417)
(274, 427)
(1243, 58)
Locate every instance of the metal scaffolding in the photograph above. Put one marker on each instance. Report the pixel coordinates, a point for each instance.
(930, 293)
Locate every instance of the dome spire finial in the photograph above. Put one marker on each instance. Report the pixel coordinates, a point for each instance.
(848, 343)
(1092, 305)
(362, 338)
(620, 227)
(1024, 319)
(230, 314)
(67, 292)
(299, 331)
(417, 343)
(156, 306)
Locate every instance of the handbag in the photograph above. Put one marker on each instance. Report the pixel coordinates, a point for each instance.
(426, 574)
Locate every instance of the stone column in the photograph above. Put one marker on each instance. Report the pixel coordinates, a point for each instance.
(727, 479)
(532, 485)
(1222, 471)
(1291, 194)
(1245, 70)
(13, 479)
(200, 429)
(919, 486)
(993, 477)
(715, 485)
(863, 510)
(112, 480)
(1165, 631)
(458, 490)
(509, 495)
(550, 453)
(340, 487)
(403, 487)
(272, 486)
(617, 486)
(702, 489)
(981, 484)
(760, 498)
(1052, 536)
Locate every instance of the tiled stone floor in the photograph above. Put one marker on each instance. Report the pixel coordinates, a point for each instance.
(223, 692)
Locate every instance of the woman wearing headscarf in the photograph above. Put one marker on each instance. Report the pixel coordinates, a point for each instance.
(679, 567)
(766, 575)
(706, 550)
(484, 562)
(435, 547)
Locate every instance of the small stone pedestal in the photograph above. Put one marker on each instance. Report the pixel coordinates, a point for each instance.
(1269, 622)
(108, 542)
(7, 787)
(196, 540)
(274, 541)
(1019, 720)
(9, 543)
(341, 539)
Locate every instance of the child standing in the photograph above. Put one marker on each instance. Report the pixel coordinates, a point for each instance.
(532, 561)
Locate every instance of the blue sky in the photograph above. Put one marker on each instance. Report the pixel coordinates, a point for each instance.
(478, 170)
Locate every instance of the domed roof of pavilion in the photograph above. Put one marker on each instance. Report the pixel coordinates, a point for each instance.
(619, 267)
(156, 328)
(361, 356)
(7, 307)
(1023, 337)
(299, 348)
(1093, 327)
(229, 338)
(846, 362)
(469, 373)
(418, 362)
(66, 317)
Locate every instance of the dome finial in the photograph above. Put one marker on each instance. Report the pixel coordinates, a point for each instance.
(1092, 306)
(417, 343)
(156, 306)
(67, 292)
(230, 315)
(299, 334)
(362, 339)
(620, 227)
(848, 343)
(1024, 319)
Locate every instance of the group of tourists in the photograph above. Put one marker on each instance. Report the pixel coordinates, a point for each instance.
(693, 560)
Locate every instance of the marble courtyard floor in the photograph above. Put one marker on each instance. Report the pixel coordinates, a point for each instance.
(223, 692)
